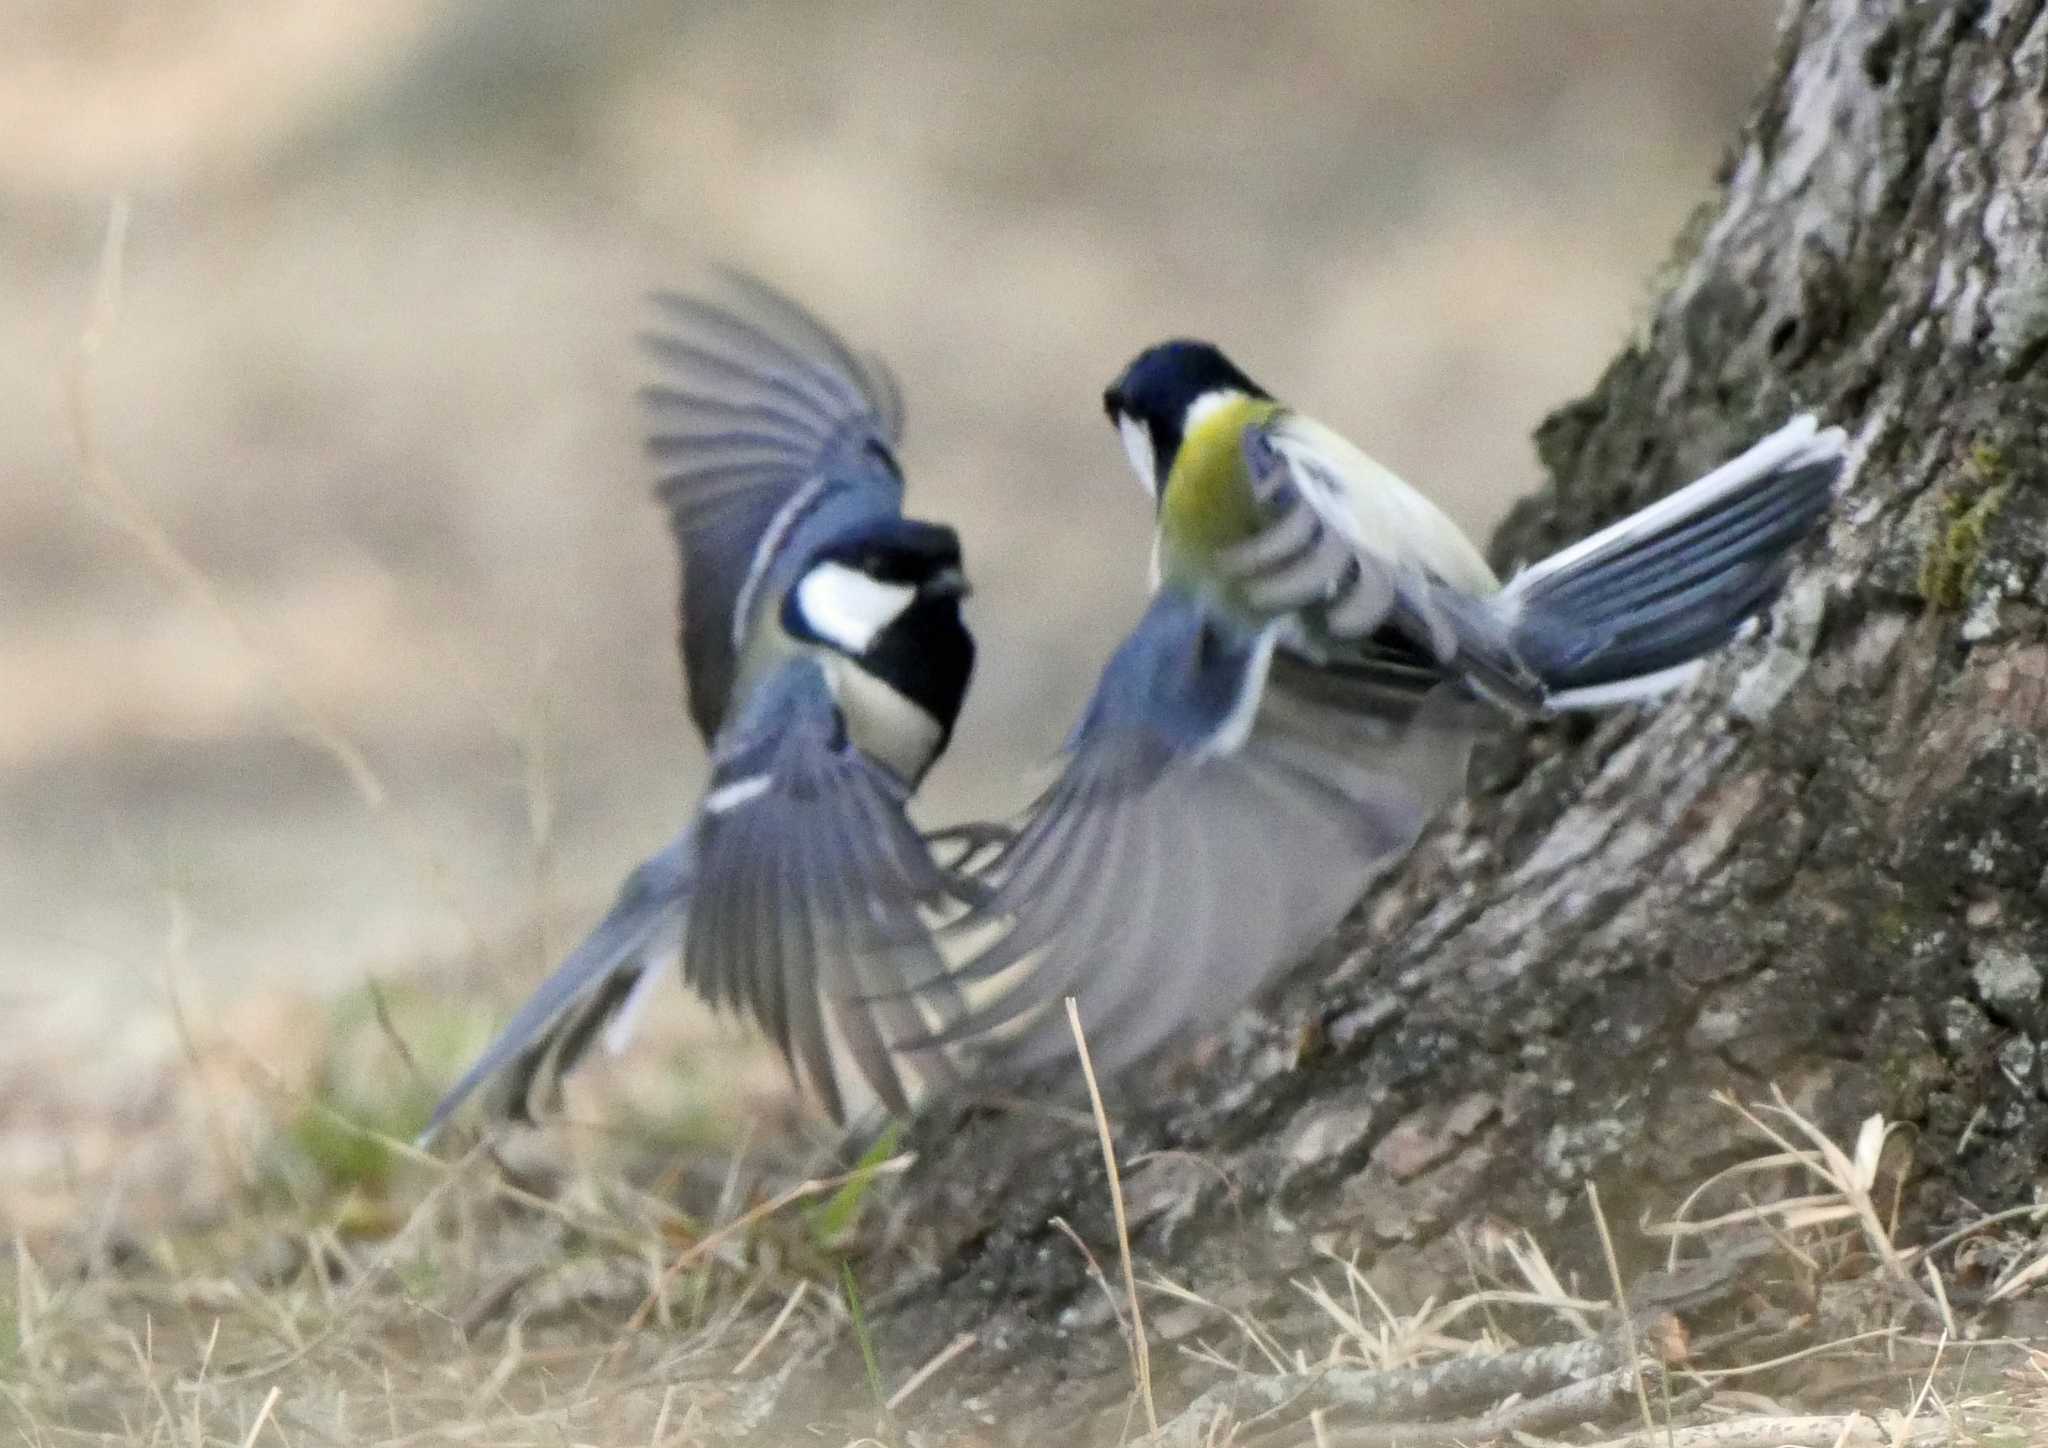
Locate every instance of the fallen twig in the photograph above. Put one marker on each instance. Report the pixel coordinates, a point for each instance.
(1456, 1385)
(1562, 1377)
(1574, 1404)
(1833, 1430)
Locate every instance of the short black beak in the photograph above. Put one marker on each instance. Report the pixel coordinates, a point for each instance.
(946, 583)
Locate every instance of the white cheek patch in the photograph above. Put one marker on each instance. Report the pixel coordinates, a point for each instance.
(847, 608)
(1138, 448)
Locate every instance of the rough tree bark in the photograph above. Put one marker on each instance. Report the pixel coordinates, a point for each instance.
(1822, 867)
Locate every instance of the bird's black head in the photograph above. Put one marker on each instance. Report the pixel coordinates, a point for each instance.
(1148, 404)
(887, 596)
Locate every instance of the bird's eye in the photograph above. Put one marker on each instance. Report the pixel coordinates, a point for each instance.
(872, 563)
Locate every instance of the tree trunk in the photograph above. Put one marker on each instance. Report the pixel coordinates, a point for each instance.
(1820, 868)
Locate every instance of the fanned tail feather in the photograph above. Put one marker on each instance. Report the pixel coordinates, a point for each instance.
(1630, 612)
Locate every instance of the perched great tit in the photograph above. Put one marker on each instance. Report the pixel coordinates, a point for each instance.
(825, 662)
(1303, 692)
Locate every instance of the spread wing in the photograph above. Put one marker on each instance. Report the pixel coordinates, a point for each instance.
(627, 950)
(1212, 824)
(811, 885)
(759, 410)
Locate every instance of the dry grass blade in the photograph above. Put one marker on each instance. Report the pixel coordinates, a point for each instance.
(1853, 1178)
(923, 1375)
(1850, 1177)
(359, 1291)
(1926, 1385)
(659, 1432)
(1940, 1295)
(1141, 1352)
(1990, 1219)
(1257, 1336)
(1680, 1223)
(2021, 1279)
(1819, 1349)
(146, 1365)
(1402, 1341)
(30, 1298)
(127, 512)
(1383, 1345)
(774, 1330)
(1544, 1283)
(801, 1192)
(1095, 1272)
(262, 1416)
(1628, 1327)
(1817, 1210)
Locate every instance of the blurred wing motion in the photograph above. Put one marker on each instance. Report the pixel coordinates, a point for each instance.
(810, 889)
(600, 982)
(1232, 789)
(796, 893)
(760, 411)
(1627, 614)
(1212, 825)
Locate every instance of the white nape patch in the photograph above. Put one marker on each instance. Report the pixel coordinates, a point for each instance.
(731, 796)
(1138, 448)
(846, 607)
(1206, 406)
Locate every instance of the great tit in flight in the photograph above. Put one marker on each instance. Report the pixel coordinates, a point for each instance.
(825, 662)
(1302, 694)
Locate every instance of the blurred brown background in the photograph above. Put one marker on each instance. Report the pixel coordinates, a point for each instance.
(371, 372)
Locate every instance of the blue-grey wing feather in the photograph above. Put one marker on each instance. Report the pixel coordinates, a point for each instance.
(1164, 877)
(759, 414)
(810, 895)
(547, 1034)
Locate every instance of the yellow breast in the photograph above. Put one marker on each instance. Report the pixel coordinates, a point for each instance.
(1206, 503)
